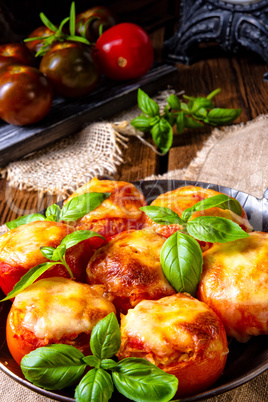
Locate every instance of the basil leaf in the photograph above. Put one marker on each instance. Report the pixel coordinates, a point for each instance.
(79, 206)
(29, 278)
(76, 237)
(202, 103)
(220, 117)
(59, 253)
(162, 215)
(95, 386)
(47, 252)
(141, 381)
(108, 364)
(141, 123)
(215, 229)
(181, 260)
(222, 201)
(22, 220)
(92, 361)
(53, 213)
(214, 93)
(147, 105)
(53, 367)
(191, 123)
(201, 113)
(180, 122)
(174, 102)
(162, 134)
(105, 337)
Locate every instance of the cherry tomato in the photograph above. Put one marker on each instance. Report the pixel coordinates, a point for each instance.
(124, 52)
(25, 95)
(40, 32)
(88, 23)
(16, 53)
(71, 68)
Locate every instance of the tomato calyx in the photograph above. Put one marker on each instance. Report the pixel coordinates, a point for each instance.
(58, 34)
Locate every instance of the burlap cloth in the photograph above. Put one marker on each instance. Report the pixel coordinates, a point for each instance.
(236, 157)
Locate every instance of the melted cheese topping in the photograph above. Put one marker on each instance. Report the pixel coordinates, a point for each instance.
(172, 327)
(57, 307)
(124, 201)
(234, 283)
(21, 246)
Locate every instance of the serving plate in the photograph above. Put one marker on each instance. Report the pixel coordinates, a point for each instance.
(244, 362)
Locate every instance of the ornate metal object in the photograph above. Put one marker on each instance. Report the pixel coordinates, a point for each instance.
(231, 24)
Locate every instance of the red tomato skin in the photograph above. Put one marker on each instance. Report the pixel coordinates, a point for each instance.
(71, 68)
(17, 53)
(124, 52)
(25, 95)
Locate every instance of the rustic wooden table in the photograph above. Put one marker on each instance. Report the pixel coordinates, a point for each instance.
(241, 80)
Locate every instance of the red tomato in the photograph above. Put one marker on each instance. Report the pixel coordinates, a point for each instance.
(71, 68)
(17, 53)
(88, 23)
(40, 32)
(124, 52)
(25, 95)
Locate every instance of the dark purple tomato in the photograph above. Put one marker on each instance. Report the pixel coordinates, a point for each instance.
(41, 32)
(25, 95)
(71, 68)
(16, 53)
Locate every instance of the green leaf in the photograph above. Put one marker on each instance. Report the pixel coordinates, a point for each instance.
(214, 93)
(222, 201)
(53, 213)
(215, 229)
(108, 364)
(76, 237)
(174, 102)
(181, 260)
(95, 386)
(219, 117)
(180, 122)
(200, 113)
(92, 361)
(141, 123)
(22, 220)
(106, 337)
(79, 206)
(29, 278)
(47, 23)
(191, 123)
(141, 381)
(58, 253)
(147, 105)
(53, 367)
(162, 215)
(47, 252)
(72, 19)
(202, 103)
(162, 134)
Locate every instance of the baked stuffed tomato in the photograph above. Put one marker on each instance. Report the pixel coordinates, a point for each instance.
(117, 213)
(55, 310)
(180, 335)
(185, 197)
(234, 283)
(20, 251)
(129, 266)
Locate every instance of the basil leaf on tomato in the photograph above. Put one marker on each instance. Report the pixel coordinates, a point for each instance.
(141, 381)
(22, 220)
(215, 229)
(106, 337)
(29, 278)
(76, 237)
(181, 260)
(47, 252)
(147, 105)
(162, 215)
(53, 367)
(95, 386)
(81, 205)
(53, 213)
(222, 201)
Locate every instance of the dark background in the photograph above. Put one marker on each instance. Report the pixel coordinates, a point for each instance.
(18, 18)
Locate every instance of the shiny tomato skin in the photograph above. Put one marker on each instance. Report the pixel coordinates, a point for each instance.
(124, 52)
(17, 53)
(88, 22)
(71, 68)
(41, 32)
(25, 95)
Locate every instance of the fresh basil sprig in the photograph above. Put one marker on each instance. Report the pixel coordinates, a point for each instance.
(181, 255)
(74, 209)
(191, 115)
(59, 366)
(56, 255)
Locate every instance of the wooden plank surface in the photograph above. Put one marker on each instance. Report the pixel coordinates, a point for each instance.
(241, 80)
